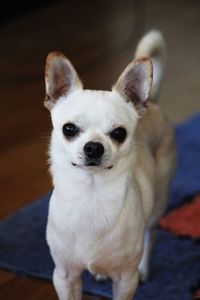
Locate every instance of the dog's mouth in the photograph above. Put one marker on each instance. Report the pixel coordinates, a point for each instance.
(95, 163)
(92, 164)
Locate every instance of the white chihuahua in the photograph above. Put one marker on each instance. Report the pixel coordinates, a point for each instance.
(112, 156)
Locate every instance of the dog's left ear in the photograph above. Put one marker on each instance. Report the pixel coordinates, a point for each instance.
(60, 78)
(135, 82)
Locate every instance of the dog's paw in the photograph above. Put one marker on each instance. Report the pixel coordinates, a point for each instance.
(143, 274)
(143, 269)
(143, 277)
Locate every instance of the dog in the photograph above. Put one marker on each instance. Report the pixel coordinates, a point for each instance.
(112, 156)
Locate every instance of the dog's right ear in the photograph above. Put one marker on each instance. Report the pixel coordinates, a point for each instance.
(60, 78)
(134, 84)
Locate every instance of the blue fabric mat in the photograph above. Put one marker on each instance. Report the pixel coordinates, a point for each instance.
(175, 261)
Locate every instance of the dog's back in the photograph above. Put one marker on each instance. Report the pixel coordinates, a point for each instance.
(156, 160)
(155, 147)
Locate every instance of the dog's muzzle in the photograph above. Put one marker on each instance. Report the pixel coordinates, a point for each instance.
(93, 153)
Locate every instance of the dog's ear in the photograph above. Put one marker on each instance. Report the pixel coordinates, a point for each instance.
(60, 78)
(135, 82)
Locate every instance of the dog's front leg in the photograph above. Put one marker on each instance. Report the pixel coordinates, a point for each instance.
(125, 285)
(67, 284)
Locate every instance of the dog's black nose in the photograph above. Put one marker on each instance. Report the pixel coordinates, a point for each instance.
(93, 150)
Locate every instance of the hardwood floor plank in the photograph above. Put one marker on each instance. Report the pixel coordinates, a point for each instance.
(13, 288)
(5, 277)
(25, 288)
(25, 169)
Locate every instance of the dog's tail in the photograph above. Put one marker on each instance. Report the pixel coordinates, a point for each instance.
(153, 45)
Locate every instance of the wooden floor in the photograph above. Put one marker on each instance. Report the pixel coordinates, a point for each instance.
(99, 37)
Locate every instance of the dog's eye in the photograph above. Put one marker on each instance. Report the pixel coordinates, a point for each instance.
(70, 130)
(118, 134)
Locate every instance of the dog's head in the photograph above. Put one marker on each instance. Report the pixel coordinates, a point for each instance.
(95, 129)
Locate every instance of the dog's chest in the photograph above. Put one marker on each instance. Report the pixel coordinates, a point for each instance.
(88, 224)
(87, 209)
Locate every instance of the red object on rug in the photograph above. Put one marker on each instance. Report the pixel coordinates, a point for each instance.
(184, 220)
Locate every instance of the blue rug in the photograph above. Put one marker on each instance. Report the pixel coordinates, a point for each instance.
(175, 261)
